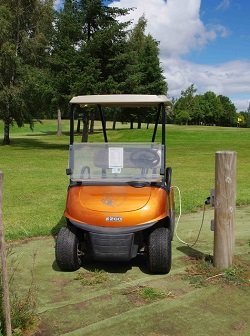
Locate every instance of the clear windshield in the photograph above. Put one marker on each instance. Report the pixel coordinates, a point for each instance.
(115, 162)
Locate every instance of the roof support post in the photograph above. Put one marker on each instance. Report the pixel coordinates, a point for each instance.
(103, 123)
(163, 139)
(72, 112)
(156, 123)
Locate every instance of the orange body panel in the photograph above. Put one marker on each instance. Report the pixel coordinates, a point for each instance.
(116, 206)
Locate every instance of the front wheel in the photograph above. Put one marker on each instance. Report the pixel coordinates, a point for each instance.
(67, 250)
(159, 250)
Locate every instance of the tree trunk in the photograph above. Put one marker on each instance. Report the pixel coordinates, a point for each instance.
(131, 124)
(85, 127)
(139, 123)
(92, 122)
(6, 137)
(78, 129)
(59, 122)
(147, 125)
(114, 121)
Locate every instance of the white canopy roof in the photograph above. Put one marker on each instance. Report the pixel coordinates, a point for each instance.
(129, 100)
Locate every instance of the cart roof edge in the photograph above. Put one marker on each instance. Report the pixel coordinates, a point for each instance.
(122, 100)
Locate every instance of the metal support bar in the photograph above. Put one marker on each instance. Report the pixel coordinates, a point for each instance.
(103, 124)
(156, 123)
(72, 112)
(163, 139)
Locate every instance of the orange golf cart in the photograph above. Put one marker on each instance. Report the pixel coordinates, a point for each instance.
(119, 202)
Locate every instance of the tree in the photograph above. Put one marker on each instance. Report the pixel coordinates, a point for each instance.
(24, 27)
(207, 108)
(186, 107)
(183, 117)
(67, 32)
(243, 118)
(214, 108)
(142, 73)
(228, 116)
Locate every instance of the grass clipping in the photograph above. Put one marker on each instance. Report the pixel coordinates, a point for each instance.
(92, 278)
(202, 273)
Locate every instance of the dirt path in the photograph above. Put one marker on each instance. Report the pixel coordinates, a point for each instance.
(123, 299)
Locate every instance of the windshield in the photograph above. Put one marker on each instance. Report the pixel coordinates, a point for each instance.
(115, 162)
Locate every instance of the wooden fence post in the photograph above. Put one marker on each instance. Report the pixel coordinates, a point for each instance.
(5, 281)
(224, 213)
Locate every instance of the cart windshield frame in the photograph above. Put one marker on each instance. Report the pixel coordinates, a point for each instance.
(161, 104)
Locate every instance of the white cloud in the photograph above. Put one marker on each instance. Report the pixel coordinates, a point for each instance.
(179, 28)
(242, 104)
(175, 23)
(228, 79)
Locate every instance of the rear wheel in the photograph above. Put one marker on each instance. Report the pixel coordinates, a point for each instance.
(159, 250)
(67, 250)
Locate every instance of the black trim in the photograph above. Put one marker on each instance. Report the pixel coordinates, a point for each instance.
(101, 229)
(136, 184)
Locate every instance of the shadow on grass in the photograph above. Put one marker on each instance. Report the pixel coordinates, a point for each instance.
(111, 267)
(64, 133)
(26, 143)
(44, 133)
(195, 254)
(54, 231)
(116, 267)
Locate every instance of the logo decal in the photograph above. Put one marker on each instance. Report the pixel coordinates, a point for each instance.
(113, 219)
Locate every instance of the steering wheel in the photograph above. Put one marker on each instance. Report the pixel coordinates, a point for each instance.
(84, 170)
(145, 158)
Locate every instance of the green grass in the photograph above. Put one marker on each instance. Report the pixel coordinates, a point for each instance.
(103, 299)
(35, 183)
(151, 294)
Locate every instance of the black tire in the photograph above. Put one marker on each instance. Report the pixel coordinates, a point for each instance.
(66, 251)
(159, 251)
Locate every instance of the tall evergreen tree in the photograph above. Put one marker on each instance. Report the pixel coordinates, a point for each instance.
(101, 50)
(144, 74)
(23, 44)
(67, 33)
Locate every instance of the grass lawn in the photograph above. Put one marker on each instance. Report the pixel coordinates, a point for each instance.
(122, 299)
(35, 182)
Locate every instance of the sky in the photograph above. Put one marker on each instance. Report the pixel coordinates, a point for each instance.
(202, 42)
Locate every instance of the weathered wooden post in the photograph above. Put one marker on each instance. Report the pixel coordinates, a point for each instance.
(224, 213)
(5, 282)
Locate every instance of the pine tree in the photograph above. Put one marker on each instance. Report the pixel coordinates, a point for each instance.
(23, 46)
(24, 26)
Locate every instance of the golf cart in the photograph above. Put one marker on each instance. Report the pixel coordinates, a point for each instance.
(120, 202)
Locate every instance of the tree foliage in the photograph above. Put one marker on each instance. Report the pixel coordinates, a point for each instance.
(204, 109)
(48, 56)
(24, 27)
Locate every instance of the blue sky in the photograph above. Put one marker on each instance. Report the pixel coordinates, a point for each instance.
(234, 17)
(205, 42)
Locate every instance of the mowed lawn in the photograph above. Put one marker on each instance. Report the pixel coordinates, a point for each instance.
(35, 183)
